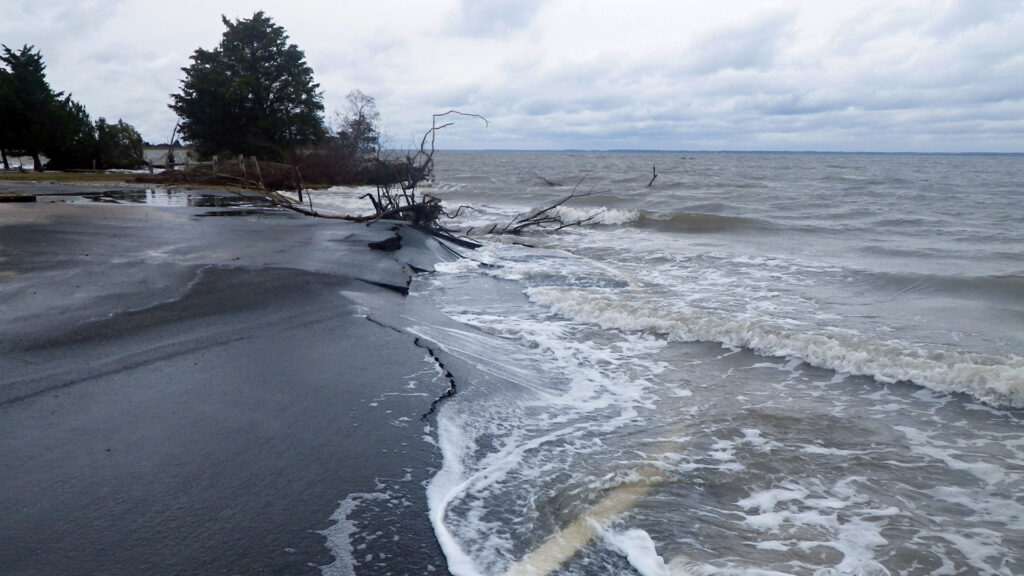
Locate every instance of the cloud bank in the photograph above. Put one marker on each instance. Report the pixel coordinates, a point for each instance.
(866, 75)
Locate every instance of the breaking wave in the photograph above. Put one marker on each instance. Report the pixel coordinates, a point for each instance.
(996, 380)
(687, 222)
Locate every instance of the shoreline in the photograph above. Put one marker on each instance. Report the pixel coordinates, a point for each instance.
(190, 395)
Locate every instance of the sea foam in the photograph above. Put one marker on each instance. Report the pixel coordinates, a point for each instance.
(997, 380)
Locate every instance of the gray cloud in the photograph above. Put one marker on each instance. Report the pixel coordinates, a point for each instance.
(737, 74)
(749, 45)
(493, 17)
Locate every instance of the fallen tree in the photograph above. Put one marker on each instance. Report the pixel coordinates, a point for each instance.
(397, 179)
(396, 197)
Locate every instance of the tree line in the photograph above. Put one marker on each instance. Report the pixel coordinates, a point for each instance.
(37, 121)
(253, 94)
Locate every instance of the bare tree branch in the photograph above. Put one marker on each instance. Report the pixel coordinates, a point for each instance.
(545, 217)
(396, 197)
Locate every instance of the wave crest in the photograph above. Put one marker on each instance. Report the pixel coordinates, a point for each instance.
(662, 221)
(596, 215)
(996, 380)
(698, 222)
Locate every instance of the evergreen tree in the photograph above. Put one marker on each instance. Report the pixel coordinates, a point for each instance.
(252, 94)
(70, 140)
(28, 102)
(6, 118)
(118, 145)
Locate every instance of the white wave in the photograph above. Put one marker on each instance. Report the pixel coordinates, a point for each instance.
(991, 379)
(596, 215)
(551, 396)
(523, 449)
(639, 549)
(444, 488)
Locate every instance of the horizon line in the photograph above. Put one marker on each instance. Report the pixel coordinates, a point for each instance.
(709, 151)
(688, 151)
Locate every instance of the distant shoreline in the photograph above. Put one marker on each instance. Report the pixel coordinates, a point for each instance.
(737, 152)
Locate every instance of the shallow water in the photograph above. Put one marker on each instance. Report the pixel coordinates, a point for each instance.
(169, 197)
(760, 364)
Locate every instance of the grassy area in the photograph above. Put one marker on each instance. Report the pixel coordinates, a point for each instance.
(64, 176)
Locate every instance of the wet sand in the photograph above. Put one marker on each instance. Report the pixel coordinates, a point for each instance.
(186, 394)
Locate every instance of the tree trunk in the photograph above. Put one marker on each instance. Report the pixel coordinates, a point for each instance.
(295, 166)
(37, 163)
(3, 154)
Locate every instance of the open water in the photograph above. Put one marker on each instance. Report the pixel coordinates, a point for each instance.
(759, 364)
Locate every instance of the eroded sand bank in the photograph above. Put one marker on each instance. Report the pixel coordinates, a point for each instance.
(184, 394)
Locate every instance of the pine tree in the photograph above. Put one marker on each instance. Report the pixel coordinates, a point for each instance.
(36, 121)
(70, 139)
(118, 145)
(253, 94)
(6, 116)
(27, 103)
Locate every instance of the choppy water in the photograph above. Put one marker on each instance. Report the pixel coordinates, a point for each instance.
(759, 364)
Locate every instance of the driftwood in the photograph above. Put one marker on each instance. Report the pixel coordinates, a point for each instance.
(396, 197)
(170, 145)
(544, 218)
(243, 172)
(426, 213)
(547, 218)
(397, 181)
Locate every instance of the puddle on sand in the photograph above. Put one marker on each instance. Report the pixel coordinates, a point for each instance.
(233, 213)
(176, 198)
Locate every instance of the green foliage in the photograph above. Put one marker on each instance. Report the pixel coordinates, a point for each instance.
(70, 136)
(118, 145)
(254, 94)
(27, 102)
(78, 143)
(35, 120)
(7, 134)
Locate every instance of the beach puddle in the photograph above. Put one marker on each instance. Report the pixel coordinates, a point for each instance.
(154, 197)
(243, 212)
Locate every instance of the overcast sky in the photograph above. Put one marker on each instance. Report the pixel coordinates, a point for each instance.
(850, 75)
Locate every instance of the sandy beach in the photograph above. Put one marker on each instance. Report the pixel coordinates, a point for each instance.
(193, 388)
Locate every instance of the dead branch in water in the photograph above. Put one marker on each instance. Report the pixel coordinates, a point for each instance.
(545, 218)
(654, 171)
